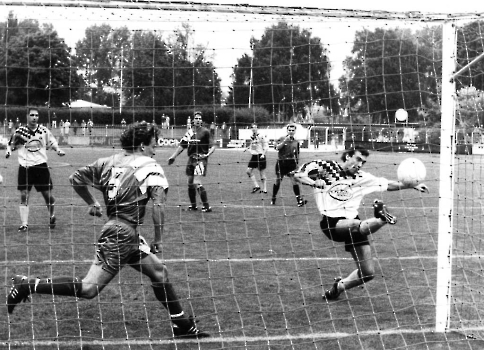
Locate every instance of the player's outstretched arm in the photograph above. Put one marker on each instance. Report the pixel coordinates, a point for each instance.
(398, 185)
(178, 150)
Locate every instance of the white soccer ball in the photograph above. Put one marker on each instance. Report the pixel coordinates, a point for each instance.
(411, 172)
(401, 115)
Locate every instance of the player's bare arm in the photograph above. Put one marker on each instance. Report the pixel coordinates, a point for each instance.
(158, 196)
(398, 185)
(178, 150)
(82, 190)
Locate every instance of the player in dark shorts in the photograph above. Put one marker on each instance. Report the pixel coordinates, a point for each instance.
(199, 146)
(128, 181)
(287, 159)
(32, 142)
(258, 148)
(338, 191)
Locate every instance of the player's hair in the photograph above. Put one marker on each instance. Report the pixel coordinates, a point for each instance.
(352, 151)
(137, 134)
(198, 113)
(30, 109)
(291, 125)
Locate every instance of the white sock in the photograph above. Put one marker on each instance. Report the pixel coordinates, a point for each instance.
(24, 214)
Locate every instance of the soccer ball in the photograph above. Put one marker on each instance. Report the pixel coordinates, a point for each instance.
(411, 172)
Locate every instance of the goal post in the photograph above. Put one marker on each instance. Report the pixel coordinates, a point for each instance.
(446, 178)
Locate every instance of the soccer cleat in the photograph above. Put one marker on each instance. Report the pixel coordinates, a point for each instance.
(19, 292)
(265, 192)
(192, 208)
(256, 189)
(273, 201)
(23, 228)
(381, 212)
(301, 202)
(333, 293)
(206, 210)
(190, 331)
(52, 222)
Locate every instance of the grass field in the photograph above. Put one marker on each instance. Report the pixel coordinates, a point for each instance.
(252, 273)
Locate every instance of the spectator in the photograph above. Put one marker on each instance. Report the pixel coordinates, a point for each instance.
(75, 125)
(123, 123)
(83, 127)
(212, 129)
(90, 124)
(61, 126)
(67, 125)
(54, 120)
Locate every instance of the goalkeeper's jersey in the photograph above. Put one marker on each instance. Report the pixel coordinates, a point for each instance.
(343, 192)
(34, 151)
(126, 182)
(258, 144)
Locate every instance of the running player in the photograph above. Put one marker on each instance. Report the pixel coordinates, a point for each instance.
(128, 181)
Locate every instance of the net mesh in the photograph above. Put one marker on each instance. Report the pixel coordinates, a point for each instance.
(252, 273)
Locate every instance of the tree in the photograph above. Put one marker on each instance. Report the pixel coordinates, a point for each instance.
(100, 58)
(288, 70)
(36, 65)
(387, 72)
(140, 69)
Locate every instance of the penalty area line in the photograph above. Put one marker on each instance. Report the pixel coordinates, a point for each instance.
(219, 339)
(238, 260)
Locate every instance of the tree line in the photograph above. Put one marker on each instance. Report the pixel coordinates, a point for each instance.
(287, 71)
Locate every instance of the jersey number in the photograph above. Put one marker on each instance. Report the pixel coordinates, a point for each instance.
(114, 182)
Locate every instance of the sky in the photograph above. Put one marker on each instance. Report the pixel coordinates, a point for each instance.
(227, 36)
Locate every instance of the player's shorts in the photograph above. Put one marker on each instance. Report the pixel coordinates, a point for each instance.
(351, 239)
(37, 176)
(120, 244)
(196, 167)
(256, 162)
(284, 167)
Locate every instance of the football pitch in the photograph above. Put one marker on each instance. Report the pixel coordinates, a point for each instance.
(252, 273)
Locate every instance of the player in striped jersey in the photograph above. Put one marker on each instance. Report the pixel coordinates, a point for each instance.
(128, 181)
(258, 148)
(32, 142)
(339, 190)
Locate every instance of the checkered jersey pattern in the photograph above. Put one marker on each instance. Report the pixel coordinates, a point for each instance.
(327, 170)
(32, 149)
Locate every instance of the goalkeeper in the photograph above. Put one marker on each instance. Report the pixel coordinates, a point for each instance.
(338, 191)
(128, 181)
(32, 142)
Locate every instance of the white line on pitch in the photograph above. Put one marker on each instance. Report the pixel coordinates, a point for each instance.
(238, 260)
(214, 339)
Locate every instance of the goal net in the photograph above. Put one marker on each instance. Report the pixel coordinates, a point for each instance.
(254, 271)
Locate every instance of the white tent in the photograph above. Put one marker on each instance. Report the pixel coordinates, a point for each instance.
(86, 104)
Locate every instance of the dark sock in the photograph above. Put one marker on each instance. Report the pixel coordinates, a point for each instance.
(165, 293)
(192, 194)
(203, 196)
(275, 189)
(67, 286)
